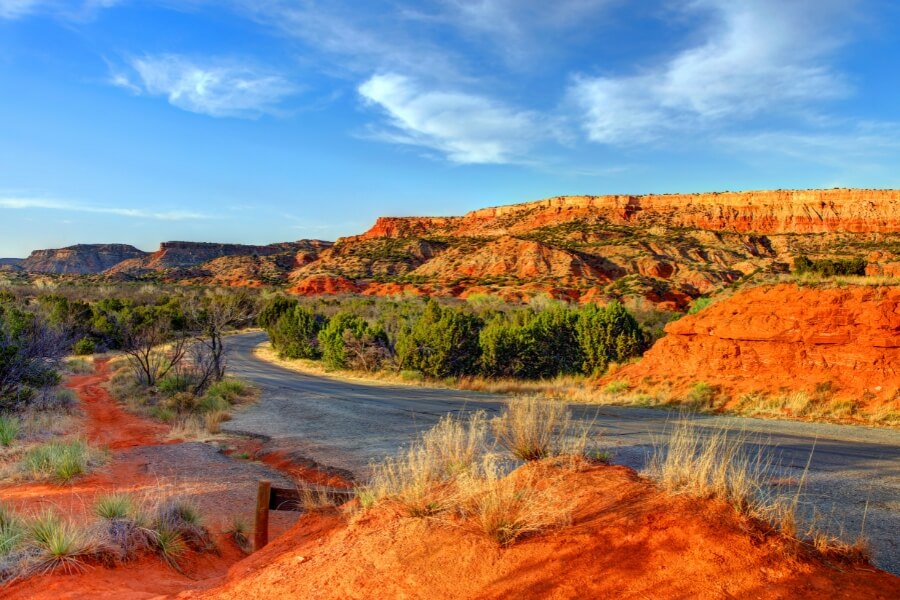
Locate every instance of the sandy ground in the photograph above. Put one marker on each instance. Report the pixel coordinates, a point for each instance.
(142, 461)
(626, 540)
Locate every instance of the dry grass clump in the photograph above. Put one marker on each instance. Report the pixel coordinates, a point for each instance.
(716, 464)
(533, 428)
(239, 531)
(420, 478)
(452, 472)
(507, 507)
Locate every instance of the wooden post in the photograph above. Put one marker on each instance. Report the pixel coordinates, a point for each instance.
(261, 530)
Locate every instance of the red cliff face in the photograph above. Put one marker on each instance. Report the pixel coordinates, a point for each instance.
(785, 337)
(83, 259)
(664, 248)
(765, 212)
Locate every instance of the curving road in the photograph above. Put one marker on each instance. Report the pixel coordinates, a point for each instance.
(854, 471)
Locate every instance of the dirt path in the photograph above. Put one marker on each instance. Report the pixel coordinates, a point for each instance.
(108, 424)
(142, 461)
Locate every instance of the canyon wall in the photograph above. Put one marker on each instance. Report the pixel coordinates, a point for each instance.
(763, 212)
(784, 337)
(82, 259)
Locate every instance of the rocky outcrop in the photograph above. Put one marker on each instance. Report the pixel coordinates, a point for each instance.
(82, 259)
(187, 255)
(323, 284)
(784, 337)
(512, 258)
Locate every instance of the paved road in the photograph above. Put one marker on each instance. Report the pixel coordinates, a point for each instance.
(346, 425)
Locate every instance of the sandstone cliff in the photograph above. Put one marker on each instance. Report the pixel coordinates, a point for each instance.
(82, 259)
(665, 248)
(839, 344)
(202, 260)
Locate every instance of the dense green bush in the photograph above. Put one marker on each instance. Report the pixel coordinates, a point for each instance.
(295, 333)
(830, 267)
(84, 347)
(608, 334)
(349, 341)
(442, 342)
(531, 344)
(449, 339)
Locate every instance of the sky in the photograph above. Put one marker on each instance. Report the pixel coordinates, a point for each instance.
(259, 121)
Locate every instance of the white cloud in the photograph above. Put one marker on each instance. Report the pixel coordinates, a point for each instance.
(22, 203)
(355, 38)
(467, 128)
(15, 9)
(860, 145)
(218, 89)
(758, 56)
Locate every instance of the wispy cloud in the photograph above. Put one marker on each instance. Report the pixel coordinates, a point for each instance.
(466, 128)
(16, 9)
(757, 57)
(861, 145)
(22, 203)
(222, 88)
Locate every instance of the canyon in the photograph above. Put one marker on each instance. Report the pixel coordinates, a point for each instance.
(665, 249)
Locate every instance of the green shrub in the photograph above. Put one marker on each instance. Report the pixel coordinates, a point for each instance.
(61, 545)
(442, 342)
(174, 384)
(408, 375)
(701, 395)
(12, 531)
(166, 415)
(62, 461)
(84, 347)
(349, 341)
(9, 429)
(699, 304)
(830, 267)
(608, 334)
(614, 388)
(295, 333)
(114, 506)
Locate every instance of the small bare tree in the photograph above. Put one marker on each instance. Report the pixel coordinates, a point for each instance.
(148, 357)
(211, 316)
(365, 352)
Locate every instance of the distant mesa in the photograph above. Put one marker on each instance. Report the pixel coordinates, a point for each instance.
(666, 249)
(81, 259)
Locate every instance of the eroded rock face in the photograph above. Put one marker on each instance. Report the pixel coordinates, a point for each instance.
(82, 259)
(666, 249)
(786, 337)
(209, 262)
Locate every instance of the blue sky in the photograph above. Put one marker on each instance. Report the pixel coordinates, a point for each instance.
(259, 121)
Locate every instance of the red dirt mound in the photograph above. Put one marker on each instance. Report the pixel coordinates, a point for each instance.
(627, 540)
(786, 337)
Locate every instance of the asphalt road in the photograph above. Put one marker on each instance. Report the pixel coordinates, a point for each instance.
(854, 474)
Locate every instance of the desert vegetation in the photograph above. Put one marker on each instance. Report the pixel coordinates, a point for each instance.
(441, 340)
(124, 529)
(500, 477)
(501, 485)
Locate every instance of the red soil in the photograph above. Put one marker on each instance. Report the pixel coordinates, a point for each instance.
(106, 423)
(773, 338)
(627, 540)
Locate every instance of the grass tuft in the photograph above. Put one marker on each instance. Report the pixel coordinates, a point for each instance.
(60, 461)
(60, 544)
(533, 428)
(9, 429)
(114, 506)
